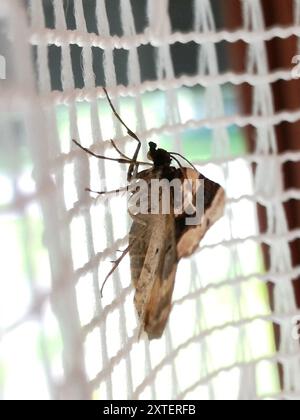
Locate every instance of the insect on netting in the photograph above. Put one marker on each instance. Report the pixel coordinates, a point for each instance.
(232, 331)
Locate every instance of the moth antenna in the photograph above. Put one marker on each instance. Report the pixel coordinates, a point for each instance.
(176, 160)
(116, 263)
(182, 157)
(180, 166)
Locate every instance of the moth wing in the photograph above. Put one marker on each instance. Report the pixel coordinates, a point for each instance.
(158, 306)
(139, 238)
(153, 259)
(188, 237)
(144, 240)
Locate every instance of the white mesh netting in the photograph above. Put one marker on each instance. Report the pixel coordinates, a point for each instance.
(59, 339)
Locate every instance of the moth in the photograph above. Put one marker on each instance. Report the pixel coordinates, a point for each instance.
(158, 240)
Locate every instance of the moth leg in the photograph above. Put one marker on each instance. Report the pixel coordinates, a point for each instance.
(125, 160)
(115, 265)
(100, 156)
(133, 164)
(126, 157)
(118, 150)
(124, 253)
(108, 192)
(130, 187)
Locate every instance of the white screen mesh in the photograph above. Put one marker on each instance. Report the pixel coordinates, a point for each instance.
(57, 240)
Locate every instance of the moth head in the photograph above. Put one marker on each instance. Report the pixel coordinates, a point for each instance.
(159, 157)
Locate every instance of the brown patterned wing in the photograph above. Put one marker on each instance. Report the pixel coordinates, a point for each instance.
(153, 260)
(188, 237)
